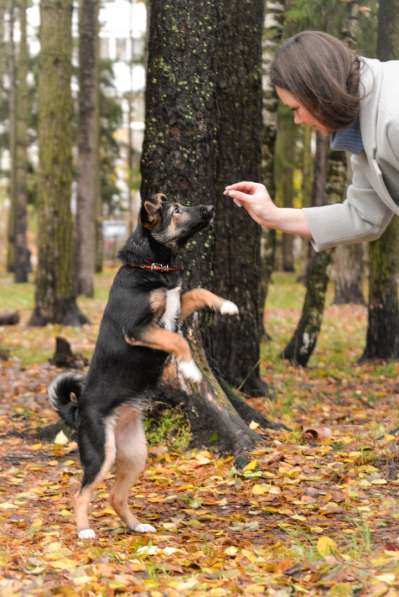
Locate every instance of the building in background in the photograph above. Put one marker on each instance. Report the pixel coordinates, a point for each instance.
(122, 40)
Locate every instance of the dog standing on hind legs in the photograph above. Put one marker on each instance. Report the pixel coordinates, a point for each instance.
(136, 336)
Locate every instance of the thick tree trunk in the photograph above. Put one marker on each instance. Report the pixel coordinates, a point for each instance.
(234, 349)
(192, 148)
(382, 340)
(383, 307)
(272, 33)
(55, 300)
(21, 252)
(87, 146)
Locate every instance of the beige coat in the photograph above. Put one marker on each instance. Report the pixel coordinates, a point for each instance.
(373, 197)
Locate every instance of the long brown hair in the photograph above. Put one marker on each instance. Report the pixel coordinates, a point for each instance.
(323, 74)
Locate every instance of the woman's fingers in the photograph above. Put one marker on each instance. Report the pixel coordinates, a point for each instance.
(243, 186)
(238, 197)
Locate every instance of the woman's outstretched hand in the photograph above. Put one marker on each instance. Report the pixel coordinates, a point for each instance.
(254, 197)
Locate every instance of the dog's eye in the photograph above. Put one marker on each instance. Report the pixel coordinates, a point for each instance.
(177, 210)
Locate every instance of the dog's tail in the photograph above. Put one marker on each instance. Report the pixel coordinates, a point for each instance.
(64, 393)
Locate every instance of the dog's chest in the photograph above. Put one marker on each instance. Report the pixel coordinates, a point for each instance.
(172, 309)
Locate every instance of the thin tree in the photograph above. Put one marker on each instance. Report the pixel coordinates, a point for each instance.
(21, 251)
(12, 134)
(286, 158)
(383, 305)
(348, 260)
(87, 146)
(273, 28)
(203, 114)
(303, 342)
(326, 187)
(55, 299)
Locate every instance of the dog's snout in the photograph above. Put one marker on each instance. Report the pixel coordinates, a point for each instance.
(207, 211)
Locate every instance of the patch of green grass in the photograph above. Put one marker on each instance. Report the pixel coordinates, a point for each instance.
(386, 369)
(285, 291)
(361, 540)
(171, 428)
(15, 296)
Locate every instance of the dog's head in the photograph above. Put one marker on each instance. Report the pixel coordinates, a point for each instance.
(172, 224)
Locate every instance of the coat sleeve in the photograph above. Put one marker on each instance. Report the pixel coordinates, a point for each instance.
(363, 216)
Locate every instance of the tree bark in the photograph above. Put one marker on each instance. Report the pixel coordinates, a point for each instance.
(286, 150)
(348, 261)
(382, 340)
(303, 342)
(347, 275)
(55, 299)
(12, 135)
(273, 28)
(203, 78)
(22, 265)
(87, 146)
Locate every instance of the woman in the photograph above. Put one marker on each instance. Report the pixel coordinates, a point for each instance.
(357, 101)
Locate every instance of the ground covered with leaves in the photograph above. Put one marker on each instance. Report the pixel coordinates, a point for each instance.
(316, 510)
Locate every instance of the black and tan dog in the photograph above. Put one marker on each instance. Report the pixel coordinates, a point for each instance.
(137, 334)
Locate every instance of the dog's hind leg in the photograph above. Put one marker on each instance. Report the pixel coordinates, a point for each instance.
(97, 454)
(131, 455)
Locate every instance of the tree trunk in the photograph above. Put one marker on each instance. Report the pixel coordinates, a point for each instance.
(55, 300)
(234, 349)
(286, 149)
(348, 272)
(21, 251)
(12, 135)
(203, 78)
(272, 33)
(302, 344)
(87, 146)
(383, 306)
(348, 262)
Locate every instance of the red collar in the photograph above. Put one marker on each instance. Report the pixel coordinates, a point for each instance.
(157, 267)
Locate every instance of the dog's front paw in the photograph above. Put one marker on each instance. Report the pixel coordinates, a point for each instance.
(229, 308)
(190, 371)
(144, 528)
(86, 534)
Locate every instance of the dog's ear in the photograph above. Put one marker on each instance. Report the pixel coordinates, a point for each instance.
(151, 210)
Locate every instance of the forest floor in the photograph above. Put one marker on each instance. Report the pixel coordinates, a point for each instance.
(314, 512)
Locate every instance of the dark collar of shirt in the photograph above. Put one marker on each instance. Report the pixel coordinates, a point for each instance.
(348, 139)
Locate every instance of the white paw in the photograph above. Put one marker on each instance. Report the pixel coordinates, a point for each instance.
(229, 308)
(144, 528)
(86, 534)
(190, 371)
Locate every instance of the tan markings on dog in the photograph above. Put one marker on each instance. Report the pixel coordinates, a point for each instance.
(152, 207)
(83, 497)
(199, 298)
(157, 338)
(131, 455)
(171, 229)
(158, 302)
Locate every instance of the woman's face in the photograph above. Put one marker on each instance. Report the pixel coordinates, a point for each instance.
(301, 114)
